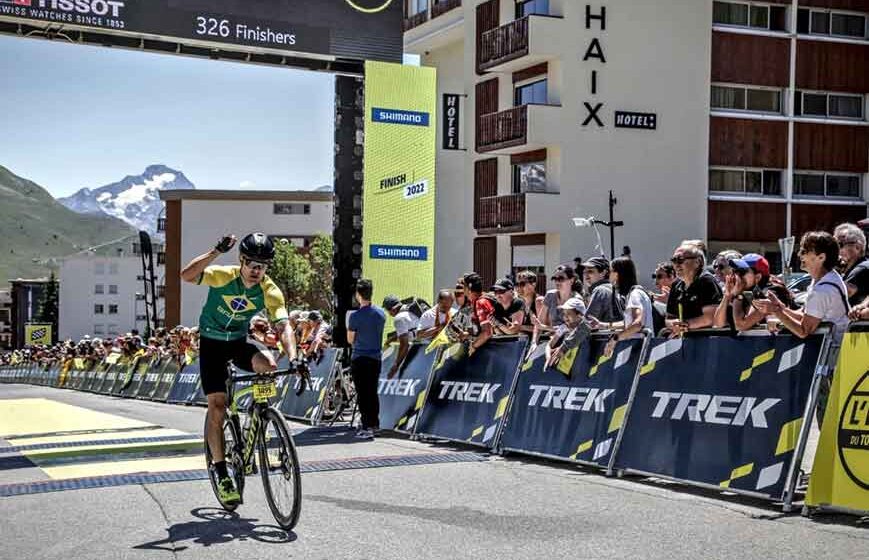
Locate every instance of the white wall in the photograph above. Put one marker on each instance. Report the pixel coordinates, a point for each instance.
(78, 277)
(203, 222)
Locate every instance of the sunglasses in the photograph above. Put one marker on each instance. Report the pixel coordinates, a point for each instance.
(459, 294)
(499, 292)
(681, 260)
(559, 278)
(843, 244)
(255, 265)
(523, 283)
(741, 271)
(659, 276)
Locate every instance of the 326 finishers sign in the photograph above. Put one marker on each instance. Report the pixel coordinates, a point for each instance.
(644, 121)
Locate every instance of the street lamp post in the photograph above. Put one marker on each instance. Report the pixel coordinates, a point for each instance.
(612, 224)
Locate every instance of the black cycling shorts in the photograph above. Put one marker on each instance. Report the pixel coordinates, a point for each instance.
(213, 356)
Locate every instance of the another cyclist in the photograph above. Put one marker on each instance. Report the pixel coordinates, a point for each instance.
(236, 295)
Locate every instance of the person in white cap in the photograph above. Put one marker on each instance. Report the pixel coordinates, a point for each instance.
(568, 335)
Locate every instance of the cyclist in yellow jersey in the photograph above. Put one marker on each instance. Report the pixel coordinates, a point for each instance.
(237, 295)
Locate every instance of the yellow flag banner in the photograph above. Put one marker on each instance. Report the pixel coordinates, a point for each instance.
(37, 334)
(840, 476)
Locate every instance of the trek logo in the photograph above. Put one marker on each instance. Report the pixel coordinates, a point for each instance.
(398, 387)
(109, 8)
(396, 116)
(583, 399)
(398, 252)
(152, 377)
(714, 409)
(315, 385)
(167, 377)
(464, 391)
(187, 378)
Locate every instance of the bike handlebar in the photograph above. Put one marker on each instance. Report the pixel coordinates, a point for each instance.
(299, 369)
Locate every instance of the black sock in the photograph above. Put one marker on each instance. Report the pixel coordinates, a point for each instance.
(220, 467)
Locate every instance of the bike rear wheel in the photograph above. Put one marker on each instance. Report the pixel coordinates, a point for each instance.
(232, 456)
(279, 467)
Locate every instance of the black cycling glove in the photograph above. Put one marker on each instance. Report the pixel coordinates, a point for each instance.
(225, 244)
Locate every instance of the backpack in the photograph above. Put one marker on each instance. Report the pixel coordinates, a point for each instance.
(416, 306)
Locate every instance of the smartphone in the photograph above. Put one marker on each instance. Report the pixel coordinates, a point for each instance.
(748, 298)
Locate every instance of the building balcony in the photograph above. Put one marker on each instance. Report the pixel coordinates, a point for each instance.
(161, 225)
(415, 20)
(440, 26)
(522, 43)
(500, 214)
(519, 129)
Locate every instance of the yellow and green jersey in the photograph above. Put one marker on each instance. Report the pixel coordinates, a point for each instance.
(230, 306)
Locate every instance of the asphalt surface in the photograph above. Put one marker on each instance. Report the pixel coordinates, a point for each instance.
(493, 507)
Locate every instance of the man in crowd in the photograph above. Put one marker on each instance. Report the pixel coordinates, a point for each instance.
(509, 309)
(604, 304)
(319, 334)
(826, 301)
(365, 335)
(433, 321)
(481, 315)
(852, 254)
(695, 296)
(721, 265)
(405, 324)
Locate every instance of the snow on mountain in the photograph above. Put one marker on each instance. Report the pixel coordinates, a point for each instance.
(134, 199)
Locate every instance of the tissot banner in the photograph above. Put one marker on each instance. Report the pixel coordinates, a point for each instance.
(354, 29)
(469, 395)
(721, 411)
(402, 397)
(398, 207)
(840, 476)
(307, 406)
(577, 416)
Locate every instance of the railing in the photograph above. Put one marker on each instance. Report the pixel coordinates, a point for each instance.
(503, 129)
(161, 258)
(161, 291)
(444, 6)
(505, 214)
(161, 224)
(415, 20)
(504, 43)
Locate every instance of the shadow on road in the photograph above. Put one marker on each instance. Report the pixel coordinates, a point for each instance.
(216, 526)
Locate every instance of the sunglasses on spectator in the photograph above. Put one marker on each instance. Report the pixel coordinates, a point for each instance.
(255, 265)
(459, 294)
(499, 292)
(659, 276)
(523, 283)
(741, 271)
(559, 278)
(681, 260)
(843, 244)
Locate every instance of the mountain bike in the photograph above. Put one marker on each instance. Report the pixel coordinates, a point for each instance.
(340, 400)
(267, 431)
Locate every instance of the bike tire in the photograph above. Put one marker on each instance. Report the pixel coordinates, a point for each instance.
(231, 455)
(281, 476)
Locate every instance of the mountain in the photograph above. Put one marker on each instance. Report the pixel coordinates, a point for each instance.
(33, 225)
(134, 199)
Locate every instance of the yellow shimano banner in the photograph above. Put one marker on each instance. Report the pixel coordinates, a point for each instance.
(398, 214)
(840, 476)
(37, 334)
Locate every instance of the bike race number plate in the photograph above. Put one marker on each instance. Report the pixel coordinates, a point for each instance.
(262, 392)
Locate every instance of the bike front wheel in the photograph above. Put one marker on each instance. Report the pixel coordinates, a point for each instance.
(279, 467)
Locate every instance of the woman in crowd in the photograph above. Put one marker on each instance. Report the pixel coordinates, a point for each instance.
(526, 288)
(638, 304)
(552, 315)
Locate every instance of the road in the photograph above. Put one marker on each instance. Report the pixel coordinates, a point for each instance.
(388, 499)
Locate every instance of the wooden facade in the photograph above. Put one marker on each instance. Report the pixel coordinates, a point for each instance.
(822, 147)
(748, 143)
(750, 59)
(746, 221)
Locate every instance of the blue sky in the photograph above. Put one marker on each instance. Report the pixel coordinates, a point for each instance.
(73, 116)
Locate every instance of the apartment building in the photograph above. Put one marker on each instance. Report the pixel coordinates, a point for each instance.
(5, 320)
(734, 122)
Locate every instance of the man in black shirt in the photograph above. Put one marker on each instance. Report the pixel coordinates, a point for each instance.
(695, 295)
(509, 309)
(852, 253)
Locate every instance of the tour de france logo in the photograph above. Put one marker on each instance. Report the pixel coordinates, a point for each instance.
(854, 434)
(369, 6)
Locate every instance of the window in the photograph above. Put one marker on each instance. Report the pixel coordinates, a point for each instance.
(99, 289)
(836, 24)
(828, 105)
(99, 309)
(755, 16)
(113, 289)
(113, 309)
(283, 208)
(528, 94)
(141, 318)
(528, 7)
(827, 184)
(415, 7)
(99, 268)
(113, 268)
(529, 177)
(760, 182)
(99, 329)
(739, 98)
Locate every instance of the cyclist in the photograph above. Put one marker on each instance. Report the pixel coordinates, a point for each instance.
(236, 296)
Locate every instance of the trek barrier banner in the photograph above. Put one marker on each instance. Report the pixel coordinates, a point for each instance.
(307, 406)
(840, 476)
(185, 385)
(358, 29)
(576, 417)
(168, 370)
(402, 397)
(150, 371)
(468, 396)
(400, 136)
(721, 411)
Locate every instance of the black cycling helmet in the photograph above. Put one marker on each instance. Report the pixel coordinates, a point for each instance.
(257, 247)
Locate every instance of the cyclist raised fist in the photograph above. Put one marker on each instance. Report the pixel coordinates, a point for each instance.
(236, 294)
